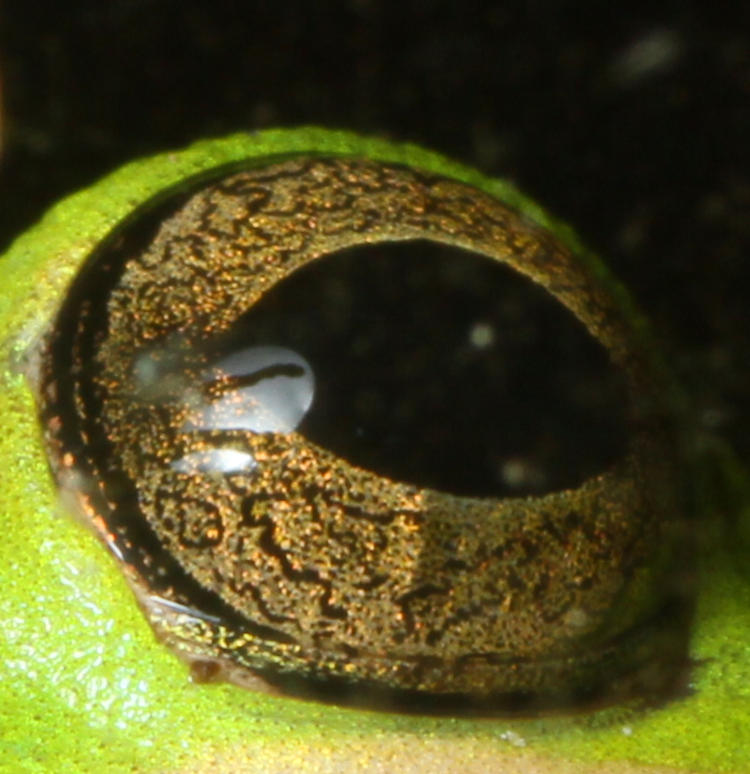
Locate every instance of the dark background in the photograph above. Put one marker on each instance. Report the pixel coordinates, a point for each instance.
(631, 123)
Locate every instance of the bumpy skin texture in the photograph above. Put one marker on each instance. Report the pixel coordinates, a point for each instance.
(85, 687)
(329, 570)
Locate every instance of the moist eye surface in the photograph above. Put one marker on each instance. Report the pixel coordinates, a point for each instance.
(341, 424)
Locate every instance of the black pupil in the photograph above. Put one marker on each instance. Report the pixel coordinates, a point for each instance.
(445, 369)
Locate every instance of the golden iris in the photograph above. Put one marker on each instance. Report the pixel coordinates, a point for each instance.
(257, 551)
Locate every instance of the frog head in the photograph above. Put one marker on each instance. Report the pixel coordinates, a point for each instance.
(86, 685)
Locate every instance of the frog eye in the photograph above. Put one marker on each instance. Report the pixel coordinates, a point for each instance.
(322, 410)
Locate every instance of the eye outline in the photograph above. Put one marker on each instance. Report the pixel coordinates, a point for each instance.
(429, 656)
(31, 327)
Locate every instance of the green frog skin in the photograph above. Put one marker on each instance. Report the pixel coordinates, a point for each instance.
(65, 597)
